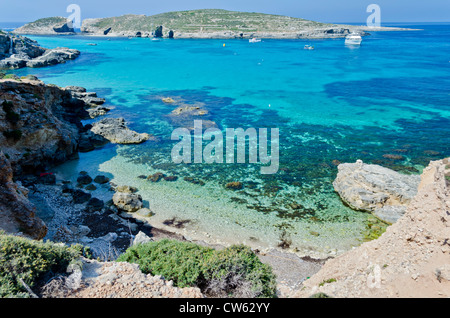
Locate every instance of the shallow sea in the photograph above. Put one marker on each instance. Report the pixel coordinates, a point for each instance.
(332, 104)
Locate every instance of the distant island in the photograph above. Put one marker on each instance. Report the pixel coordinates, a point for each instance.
(198, 24)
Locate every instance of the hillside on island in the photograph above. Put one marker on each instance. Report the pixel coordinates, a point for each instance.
(206, 23)
(52, 25)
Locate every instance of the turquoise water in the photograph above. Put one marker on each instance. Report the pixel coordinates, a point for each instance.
(336, 103)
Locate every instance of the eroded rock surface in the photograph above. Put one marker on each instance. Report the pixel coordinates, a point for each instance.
(372, 188)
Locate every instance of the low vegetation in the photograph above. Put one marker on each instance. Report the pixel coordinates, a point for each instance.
(232, 272)
(26, 263)
(207, 20)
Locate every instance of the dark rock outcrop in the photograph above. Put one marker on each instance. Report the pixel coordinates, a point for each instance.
(159, 32)
(18, 52)
(39, 124)
(17, 214)
(64, 28)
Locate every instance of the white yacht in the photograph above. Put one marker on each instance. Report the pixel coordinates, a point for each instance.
(254, 40)
(353, 39)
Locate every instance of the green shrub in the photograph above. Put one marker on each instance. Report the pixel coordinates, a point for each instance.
(237, 271)
(31, 261)
(12, 76)
(177, 261)
(233, 272)
(328, 281)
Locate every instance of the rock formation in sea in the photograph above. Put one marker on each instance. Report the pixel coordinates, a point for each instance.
(18, 51)
(116, 131)
(372, 188)
(411, 259)
(40, 127)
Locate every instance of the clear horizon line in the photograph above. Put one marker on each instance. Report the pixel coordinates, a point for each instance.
(361, 22)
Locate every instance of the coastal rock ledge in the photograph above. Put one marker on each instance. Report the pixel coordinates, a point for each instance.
(372, 188)
(116, 131)
(411, 259)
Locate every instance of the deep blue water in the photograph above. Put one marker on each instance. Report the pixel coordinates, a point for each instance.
(390, 96)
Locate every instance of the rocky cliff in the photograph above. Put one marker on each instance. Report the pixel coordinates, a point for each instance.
(50, 26)
(17, 214)
(19, 51)
(39, 127)
(39, 124)
(411, 259)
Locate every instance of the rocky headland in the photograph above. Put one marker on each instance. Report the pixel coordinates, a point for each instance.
(204, 24)
(40, 127)
(49, 26)
(18, 51)
(409, 260)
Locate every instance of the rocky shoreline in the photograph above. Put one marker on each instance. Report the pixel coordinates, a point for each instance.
(18, 51)
(41, 127)
(92, 211)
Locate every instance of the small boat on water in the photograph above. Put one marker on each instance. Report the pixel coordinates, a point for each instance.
(156, 39)
(254, 40)
(92, 44)
(353, 39)
(308, 47)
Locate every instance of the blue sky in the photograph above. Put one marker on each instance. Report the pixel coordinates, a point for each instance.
(319, 10)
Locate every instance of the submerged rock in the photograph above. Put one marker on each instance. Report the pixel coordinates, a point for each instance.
(100, 179)
(80, 197)
(237, 185)
(372, 188)
(95, 204)
(116, 131)
(84, 179)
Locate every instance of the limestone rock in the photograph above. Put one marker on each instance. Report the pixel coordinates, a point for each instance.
(116, 131)
(376, 189)
(410, 260)
(141, 238)
(18, 51)
(39, 124)
(129, 202)
(17, 213)
(54, 57)
(145, 212)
